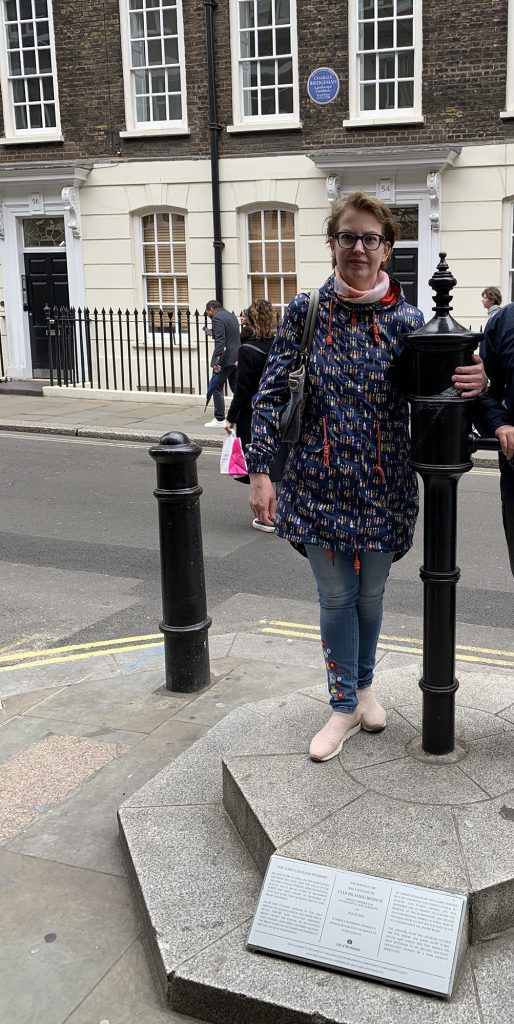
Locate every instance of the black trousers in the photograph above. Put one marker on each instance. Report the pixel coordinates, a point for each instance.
(226, 373)
(508, 526)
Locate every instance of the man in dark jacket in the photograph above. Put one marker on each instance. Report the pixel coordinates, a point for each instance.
(225, 332)
(495, 409)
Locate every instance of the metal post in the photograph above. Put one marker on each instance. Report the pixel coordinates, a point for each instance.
(214, 129)
(185, 621)
(441, 448)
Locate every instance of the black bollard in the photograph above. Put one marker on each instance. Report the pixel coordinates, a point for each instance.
(441, 449)
(185, 621)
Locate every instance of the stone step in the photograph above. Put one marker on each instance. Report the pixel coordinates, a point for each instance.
(376, 809)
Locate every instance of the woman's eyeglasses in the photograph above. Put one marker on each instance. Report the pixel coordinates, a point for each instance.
(347, 240)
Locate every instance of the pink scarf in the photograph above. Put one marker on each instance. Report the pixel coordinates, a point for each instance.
(349, 294)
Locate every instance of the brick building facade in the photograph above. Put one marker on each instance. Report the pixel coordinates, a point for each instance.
(105, 174)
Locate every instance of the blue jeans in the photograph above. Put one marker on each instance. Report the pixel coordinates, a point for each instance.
(350, 618)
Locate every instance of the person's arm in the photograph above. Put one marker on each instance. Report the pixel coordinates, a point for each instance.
(490, 412)
(219, 334)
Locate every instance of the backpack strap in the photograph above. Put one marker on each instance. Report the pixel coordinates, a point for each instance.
(310, 324)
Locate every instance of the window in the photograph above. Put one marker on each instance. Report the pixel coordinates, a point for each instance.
(28, 76)
(265, 68)
(164, 262)
(44, 232)
(154, 69)
(508, 113)
(385, 73)
(272, 257)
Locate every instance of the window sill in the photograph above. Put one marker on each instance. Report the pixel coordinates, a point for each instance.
(507, 115)
(148, 133)
(377, 122)
(31, 140)
(265, 126)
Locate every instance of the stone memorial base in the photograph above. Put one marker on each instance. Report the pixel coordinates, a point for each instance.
(198, 838)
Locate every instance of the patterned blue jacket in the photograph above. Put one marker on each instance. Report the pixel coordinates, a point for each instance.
(348, 484)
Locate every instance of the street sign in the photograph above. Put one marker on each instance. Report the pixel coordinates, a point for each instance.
(403, 934)
(323, 86)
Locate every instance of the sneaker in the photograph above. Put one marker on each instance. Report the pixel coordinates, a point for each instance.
(215, 423)
(258, 525)
(373, 716)
(328, 741)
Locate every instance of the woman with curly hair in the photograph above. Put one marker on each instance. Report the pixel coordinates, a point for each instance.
(261, 318)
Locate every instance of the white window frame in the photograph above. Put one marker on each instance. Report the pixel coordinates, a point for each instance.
(364, 118)
(263, 122)
(265, 208)
(12, 134)
(139, 214)
(135, 129)
(509, 91)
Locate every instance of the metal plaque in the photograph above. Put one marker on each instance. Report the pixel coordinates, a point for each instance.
(323, 86)
(374, 927)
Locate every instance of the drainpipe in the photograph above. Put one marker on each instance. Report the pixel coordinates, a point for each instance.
(214, 129)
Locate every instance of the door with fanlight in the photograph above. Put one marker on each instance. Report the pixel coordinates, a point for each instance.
(404, 261)
(45, 282)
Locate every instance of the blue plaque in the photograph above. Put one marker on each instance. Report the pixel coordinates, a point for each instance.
(323, 86)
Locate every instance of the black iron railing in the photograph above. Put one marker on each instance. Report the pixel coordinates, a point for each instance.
(129, 351)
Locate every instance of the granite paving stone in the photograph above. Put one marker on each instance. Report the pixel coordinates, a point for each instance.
(368, 748)
(397, 686)
(138, 702)
(488, 826)
(261, 647)
(288, 730)
(485, 689)
(387, 838)
(49, 977)
(82, 831)
(213, 886)
(196, 777)
(241, 986)
(17, 681)
(284, 796)
(491, 763)
(44, 774)
(493, 965)
(127, 994)
(20, 733)
(470, 723)
(15, 705)
(407, 779)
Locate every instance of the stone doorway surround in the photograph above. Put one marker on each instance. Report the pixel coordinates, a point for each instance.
(37, 190)
(400, 176)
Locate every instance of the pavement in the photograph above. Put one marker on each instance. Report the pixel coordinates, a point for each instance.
(81, 731)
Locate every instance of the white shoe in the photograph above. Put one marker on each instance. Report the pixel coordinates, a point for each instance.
(215, 423)
(258, 525)
(327, 743)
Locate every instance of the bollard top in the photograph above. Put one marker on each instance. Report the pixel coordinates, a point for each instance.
(175, 447)
(443, 331)
(442, 284)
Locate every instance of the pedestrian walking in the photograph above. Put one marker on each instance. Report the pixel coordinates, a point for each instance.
(494, 411)
(260, 323)
(226, 335)
(348, 498)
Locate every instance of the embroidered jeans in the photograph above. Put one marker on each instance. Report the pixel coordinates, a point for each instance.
(350, 618)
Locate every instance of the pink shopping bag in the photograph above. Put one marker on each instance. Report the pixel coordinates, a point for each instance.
(232, 461)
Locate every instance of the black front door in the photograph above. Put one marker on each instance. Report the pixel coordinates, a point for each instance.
(404, 267)
(46, 276)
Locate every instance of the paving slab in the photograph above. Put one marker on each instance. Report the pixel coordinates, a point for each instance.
(271, 799)
(470, 723)
(409, 780)
(15, 705)
(490, 763)
(47, 949)
(127, 994)
(227, 984)
(493, 965)
(22, 732)
(212, 887)
(196, 778)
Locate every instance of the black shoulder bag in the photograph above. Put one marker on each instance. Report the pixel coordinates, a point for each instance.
(291, 418)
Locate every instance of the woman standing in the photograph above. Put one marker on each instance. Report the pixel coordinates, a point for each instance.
(349, 496)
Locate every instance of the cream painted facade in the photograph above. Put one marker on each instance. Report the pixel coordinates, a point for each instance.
(465, 200)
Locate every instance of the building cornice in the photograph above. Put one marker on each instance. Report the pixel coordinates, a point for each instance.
(386, 158)
(63, 174)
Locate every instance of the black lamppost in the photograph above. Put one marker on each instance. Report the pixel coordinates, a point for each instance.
(441, 448)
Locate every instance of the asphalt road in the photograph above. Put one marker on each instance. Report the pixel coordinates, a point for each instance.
(79, 550)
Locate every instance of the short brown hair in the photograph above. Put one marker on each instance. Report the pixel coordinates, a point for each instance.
(360, 201)
(494, 294)
(261, 318)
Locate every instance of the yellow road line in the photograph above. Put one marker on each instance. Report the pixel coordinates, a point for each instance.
(383, 636)
(78, 657)
(25, 655)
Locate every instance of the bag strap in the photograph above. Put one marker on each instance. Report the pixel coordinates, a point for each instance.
(310, 324)
(254, 348)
